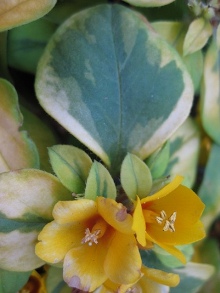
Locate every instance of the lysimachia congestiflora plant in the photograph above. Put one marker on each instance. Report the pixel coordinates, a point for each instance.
(97, 196)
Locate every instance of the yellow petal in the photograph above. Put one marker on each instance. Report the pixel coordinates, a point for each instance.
(168, 279)
(115, 214)
(139, 225)
(165, 190)
(56, 240)
(146, 285)
(84, 265)
(123, 261)
(74, 210)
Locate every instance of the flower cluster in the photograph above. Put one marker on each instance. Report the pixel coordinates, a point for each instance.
(98, 241)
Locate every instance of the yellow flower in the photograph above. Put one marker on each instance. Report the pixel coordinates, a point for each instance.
(170, 217)
(151, 281)
(95, 242)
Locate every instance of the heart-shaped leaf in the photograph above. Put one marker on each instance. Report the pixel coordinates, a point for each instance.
(113, 83)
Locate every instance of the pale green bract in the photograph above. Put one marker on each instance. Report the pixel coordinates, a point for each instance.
(87, 81)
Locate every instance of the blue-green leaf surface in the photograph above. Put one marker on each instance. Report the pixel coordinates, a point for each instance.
(113, 83)
(11, 282)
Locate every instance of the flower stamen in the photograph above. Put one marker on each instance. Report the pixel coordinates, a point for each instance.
(91, 237)
(169, 223)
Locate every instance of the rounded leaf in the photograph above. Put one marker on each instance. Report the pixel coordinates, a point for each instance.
(149, 3)
(108, 79)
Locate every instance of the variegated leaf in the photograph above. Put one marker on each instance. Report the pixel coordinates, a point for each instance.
(184, 152)
(209, 190)
(192, 277)
(149, 3)
(197, 36)
(108, 79)
(99, 183)
(17, 150)
(27, 198)
(71, 165)
(18, 12)
(210, 93)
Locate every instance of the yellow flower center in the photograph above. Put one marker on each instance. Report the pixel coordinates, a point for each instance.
(98, 230)
(168, 222)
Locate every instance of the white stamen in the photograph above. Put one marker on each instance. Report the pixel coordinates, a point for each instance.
(91, 237)
(169, 223)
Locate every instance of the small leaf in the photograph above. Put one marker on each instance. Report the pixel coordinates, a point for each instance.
(197, 36)
(27, 198)
(158, 161)
(17, 150)
(209, 190)
(136, 177)
(99, 183)
(15, 13)
(12, 281)
(149, 3)
(210, 93)
(71, 165)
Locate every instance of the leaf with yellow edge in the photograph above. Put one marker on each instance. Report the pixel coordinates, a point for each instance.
(149, 3)
(17, 150)
(197, 36)
(17, 12)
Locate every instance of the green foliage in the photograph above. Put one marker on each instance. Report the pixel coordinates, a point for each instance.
(71, 165)
(136, 177)
(101, 68)
(12, 281)
(99, 183)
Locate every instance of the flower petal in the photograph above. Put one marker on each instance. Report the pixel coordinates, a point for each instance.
(165, 190)
(169, 248)
(74, 210)
(123, 261)
(161, 277)
(84, 265)
(115, 214)
(139, 223)
(56, 240)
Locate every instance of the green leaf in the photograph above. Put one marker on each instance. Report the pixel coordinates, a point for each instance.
(71, 165)
(184, 152)
(11, 282)
(26, 44)
(99, 183)
(27, 198)
(149, 3)
(42, 135)
(173, 32)
(136, 177)
(55, 283)
(209, 190)
(197, 36)
(106, 77)
(17, 150)
(210, 93)
(192, 277)
(158, 161)
(15, 13)
(170, 260)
